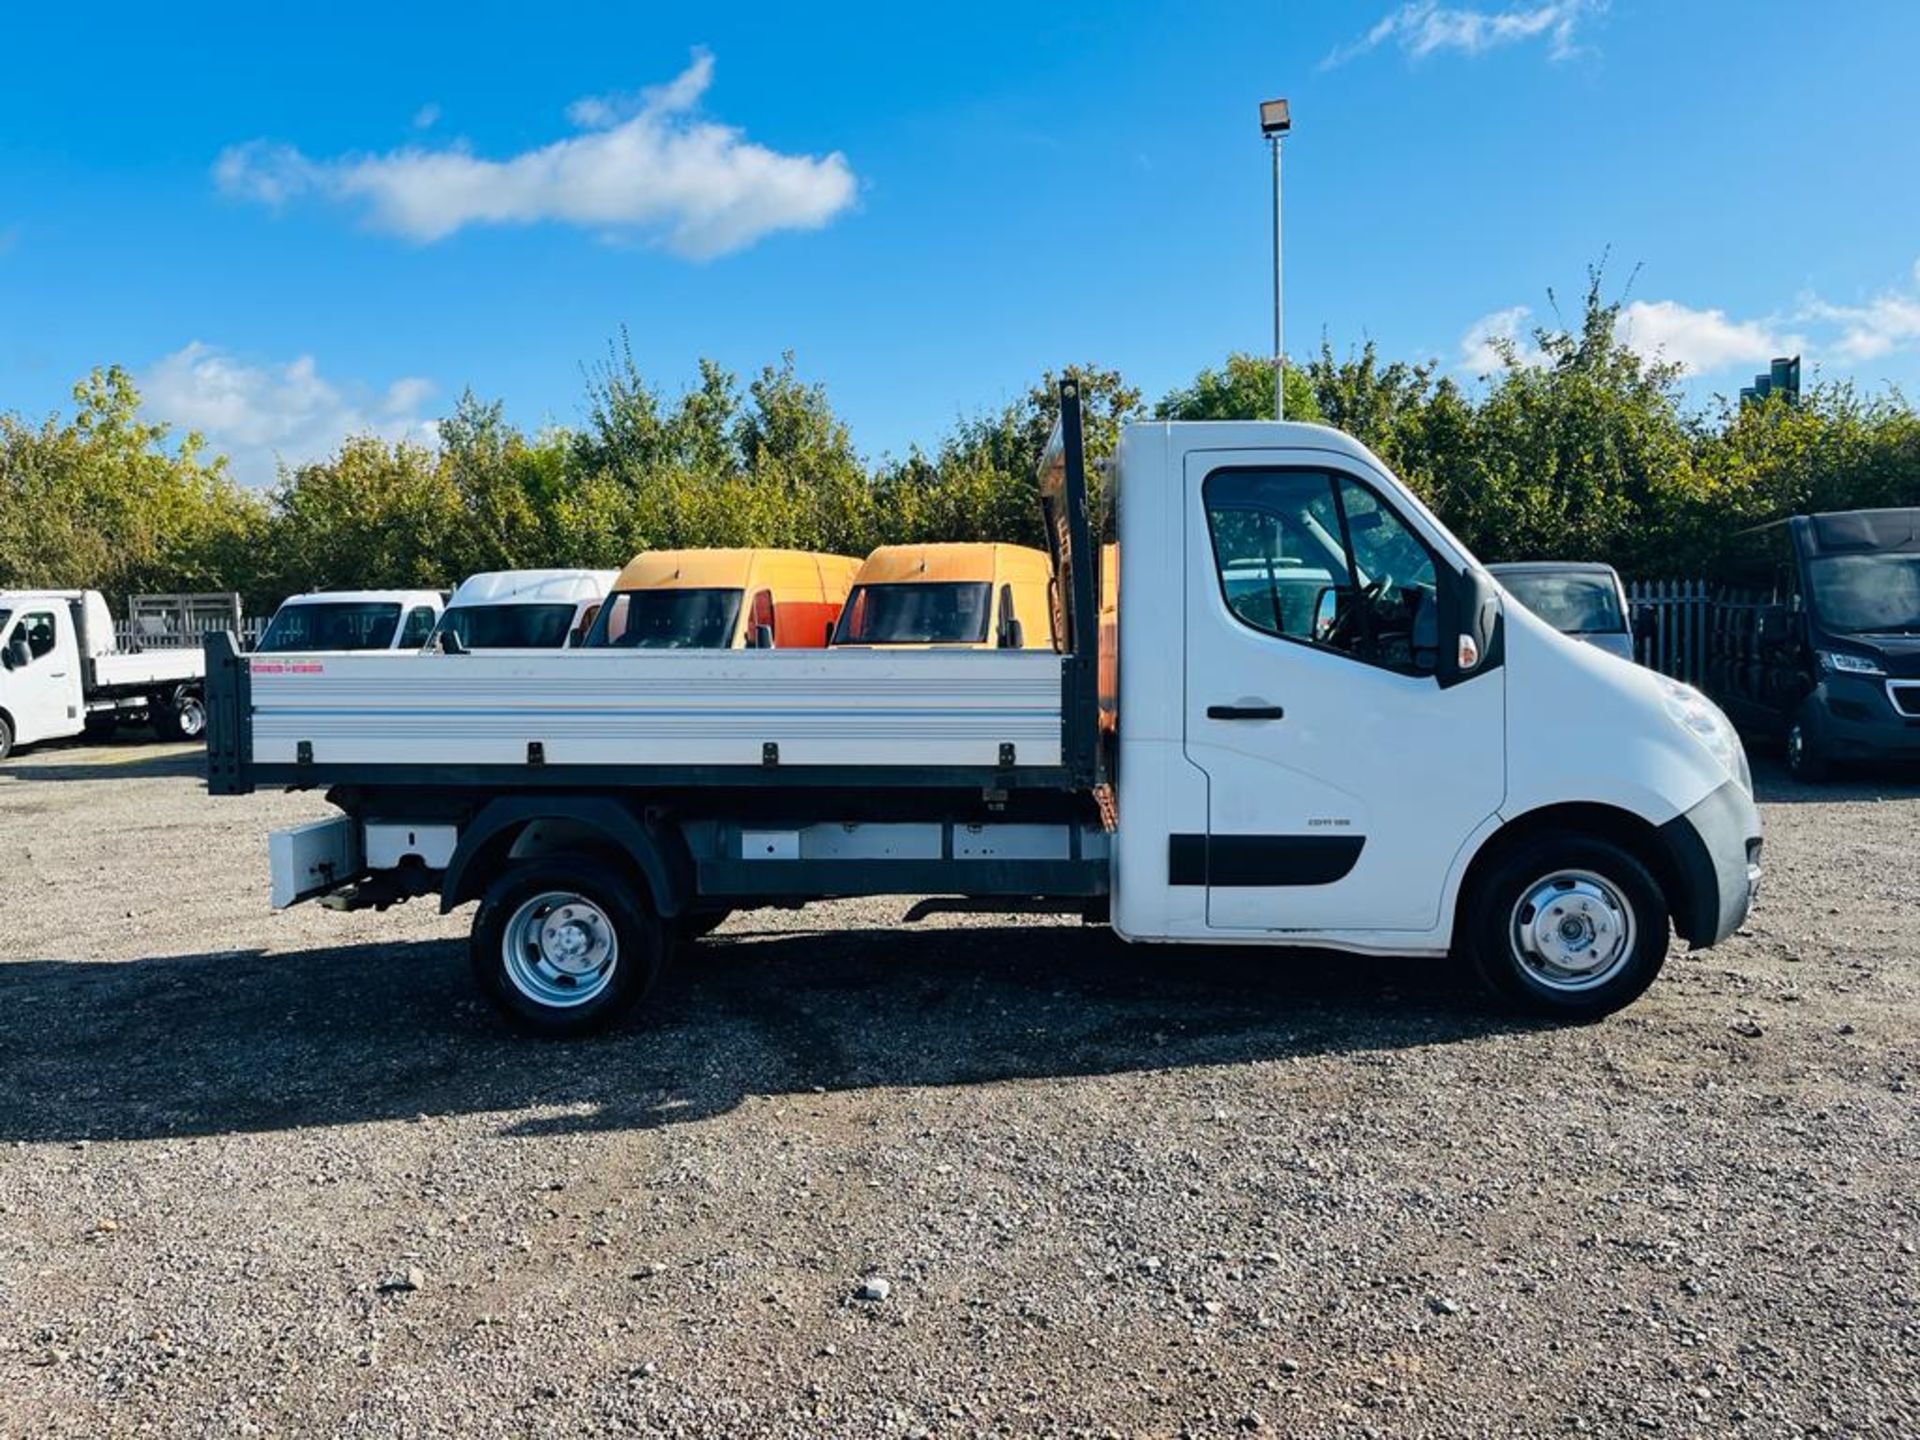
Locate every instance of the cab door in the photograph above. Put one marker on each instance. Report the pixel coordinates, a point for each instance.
(1342, 777)
(42, 682)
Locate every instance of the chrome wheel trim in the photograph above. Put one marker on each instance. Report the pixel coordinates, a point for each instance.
(560, 949)
(192, 718)
(1572, 930)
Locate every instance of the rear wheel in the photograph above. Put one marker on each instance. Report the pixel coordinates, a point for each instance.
(183, 716)
(1572, 927)
(565, 944)
(6, 737)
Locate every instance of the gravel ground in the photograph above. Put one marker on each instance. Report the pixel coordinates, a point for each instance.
(268, 1174)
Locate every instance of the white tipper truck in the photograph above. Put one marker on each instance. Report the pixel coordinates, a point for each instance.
(61, 673)
(1328, 729)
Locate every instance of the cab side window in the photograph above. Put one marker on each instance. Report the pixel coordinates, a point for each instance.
(1319, 559)
(38, 630)
(419, 626)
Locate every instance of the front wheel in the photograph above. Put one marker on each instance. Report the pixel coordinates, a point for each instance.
(6, 737)
(565, 944)
(1806, 761)
(1572, 927)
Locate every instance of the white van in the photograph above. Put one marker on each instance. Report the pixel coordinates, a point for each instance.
(336, 620)
(523, 609)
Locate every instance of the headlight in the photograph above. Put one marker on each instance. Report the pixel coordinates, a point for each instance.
(1705, 721)
(1840, 662)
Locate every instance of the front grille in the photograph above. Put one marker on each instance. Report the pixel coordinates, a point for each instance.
(1905, 695)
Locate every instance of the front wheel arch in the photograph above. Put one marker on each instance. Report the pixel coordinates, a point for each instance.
(1638, 837)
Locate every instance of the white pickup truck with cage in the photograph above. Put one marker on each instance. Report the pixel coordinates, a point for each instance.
(1324, 728)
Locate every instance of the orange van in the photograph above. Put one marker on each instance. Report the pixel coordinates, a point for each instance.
(963, 596)
(724, 600)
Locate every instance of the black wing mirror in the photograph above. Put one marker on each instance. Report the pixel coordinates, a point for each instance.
(1014, 637)
(762, 638)
(18, 655)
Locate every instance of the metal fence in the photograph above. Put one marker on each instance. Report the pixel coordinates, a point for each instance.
(1678, 627)
(132, 635)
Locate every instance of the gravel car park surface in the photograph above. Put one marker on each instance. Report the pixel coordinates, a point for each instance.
(264, 1174)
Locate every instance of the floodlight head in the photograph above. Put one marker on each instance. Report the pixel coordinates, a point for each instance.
(1274, 119)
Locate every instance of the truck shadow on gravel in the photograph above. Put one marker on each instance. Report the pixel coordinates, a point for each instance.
(96, 762)
(244, 1042)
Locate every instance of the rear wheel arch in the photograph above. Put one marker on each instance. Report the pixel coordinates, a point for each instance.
(514, 829)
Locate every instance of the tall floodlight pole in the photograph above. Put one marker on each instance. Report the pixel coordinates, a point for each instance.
(1274, 124)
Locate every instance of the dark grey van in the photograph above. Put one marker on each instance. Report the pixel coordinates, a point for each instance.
(1826, 655)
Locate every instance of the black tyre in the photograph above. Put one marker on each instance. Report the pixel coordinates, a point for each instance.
(183, 716)
(1806, 758)
(6, 737)
(1572, 927)
(566, 944)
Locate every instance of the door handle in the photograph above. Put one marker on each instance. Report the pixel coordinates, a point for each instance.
(1245, 712)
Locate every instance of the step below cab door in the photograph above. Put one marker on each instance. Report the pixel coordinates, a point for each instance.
(1344, 765)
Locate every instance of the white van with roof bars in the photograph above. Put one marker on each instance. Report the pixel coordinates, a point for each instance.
(1325, 726)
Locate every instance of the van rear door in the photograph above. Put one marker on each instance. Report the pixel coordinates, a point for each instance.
(1341, 778)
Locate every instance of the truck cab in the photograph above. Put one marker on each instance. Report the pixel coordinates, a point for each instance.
(346, 620)
(960, 596)
(1820, 648)
(523, 609)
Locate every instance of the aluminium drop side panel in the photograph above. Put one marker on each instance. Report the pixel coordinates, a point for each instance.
(851, 709)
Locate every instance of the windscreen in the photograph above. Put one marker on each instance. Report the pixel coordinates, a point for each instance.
(332, 625)
(508, 626)
(917, 613)
(1572, 604)
(667, 620)
(1867, 594)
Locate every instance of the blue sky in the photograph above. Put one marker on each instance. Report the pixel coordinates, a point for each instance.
(292, 223)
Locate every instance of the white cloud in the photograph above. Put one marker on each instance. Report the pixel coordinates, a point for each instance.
(1424, 27)
(261, 414)
(645, 164)
(1701, 342)
(427, 116)
(1708, 341)
(1504, 330)
(1888, 322)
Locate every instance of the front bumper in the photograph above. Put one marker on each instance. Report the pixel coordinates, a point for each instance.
(1855, 717)
(1713, 854)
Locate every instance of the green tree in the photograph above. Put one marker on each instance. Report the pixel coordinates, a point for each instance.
(1242, 389)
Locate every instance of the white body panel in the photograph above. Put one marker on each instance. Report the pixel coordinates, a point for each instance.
(158, 668)
(657, 707)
